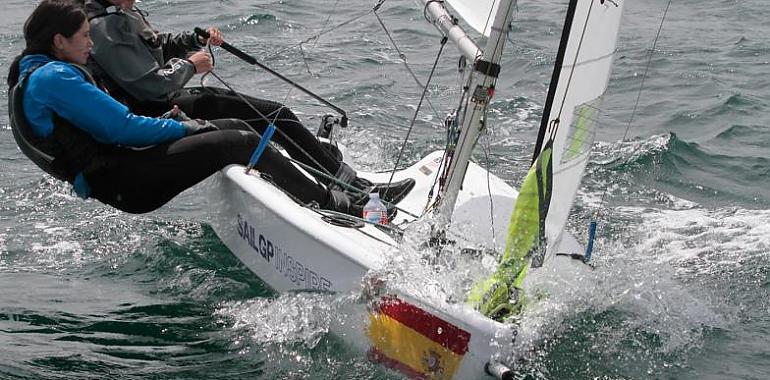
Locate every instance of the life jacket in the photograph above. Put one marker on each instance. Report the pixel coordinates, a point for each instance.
(64, 153)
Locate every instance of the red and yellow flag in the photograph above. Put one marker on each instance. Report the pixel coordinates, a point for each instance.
(415, 342)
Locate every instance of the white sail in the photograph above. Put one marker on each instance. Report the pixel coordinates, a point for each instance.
(574, 103)
(479, 14)
(566, 134)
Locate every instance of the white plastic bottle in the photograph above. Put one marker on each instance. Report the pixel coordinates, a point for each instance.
(375, 211)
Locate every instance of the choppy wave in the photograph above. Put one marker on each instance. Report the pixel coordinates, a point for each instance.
(706, 172)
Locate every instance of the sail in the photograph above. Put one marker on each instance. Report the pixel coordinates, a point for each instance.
(582, 70)
(479, 14)
(573, 105)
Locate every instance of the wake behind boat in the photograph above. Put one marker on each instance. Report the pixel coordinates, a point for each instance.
(292, 246)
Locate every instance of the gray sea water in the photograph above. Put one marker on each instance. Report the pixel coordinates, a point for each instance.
(683, 202)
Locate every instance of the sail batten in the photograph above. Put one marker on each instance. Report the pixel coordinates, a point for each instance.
(608, 56)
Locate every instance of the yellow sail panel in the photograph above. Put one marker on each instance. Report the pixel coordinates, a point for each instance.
(499, 296)
(582, 131)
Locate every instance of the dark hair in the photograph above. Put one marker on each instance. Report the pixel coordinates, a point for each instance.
(51, 17)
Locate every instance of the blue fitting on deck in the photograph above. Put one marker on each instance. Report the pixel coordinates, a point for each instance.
(590, 245)
(261, 147)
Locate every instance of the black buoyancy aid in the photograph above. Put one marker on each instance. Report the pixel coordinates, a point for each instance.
(63, 154)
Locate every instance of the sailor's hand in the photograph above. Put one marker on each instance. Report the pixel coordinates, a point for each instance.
(202, 62)
(215, 37)
(176, 114)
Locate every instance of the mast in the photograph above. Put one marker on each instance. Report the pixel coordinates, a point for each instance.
(486, 68)
(448, 25)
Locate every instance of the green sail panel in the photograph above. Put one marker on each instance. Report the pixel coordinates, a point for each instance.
(500, 296)
(582, 131)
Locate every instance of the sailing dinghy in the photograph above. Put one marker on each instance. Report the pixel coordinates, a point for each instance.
(295, 247)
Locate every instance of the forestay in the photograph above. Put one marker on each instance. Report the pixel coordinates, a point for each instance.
(479, 14)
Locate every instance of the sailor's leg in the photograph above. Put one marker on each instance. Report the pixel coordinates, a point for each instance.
(144, 180)
(212, 103)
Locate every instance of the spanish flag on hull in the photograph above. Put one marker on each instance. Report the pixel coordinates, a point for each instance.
(415, 342)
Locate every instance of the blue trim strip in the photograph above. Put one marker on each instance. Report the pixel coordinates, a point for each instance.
(590, 246)
(262, 145)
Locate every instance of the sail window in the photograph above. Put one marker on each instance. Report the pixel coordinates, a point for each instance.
(582, 131)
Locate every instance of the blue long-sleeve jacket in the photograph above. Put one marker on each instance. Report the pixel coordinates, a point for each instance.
(59, 88)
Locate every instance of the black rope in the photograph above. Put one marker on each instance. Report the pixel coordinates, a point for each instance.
(646, 70)
(417, 111)
(265, 118)
(641, 87)
(324, 32)
(402, 56)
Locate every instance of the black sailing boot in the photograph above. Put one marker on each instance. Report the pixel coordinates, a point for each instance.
(358, 186)
(392, 193)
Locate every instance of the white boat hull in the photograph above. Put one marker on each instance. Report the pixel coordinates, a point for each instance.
(291, 247)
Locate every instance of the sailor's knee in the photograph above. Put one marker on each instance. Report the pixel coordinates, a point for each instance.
(232, 124)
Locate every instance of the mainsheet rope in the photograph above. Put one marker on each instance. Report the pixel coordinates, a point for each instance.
(266, 118)
(328, 175)
(422, 96)
(408, 68)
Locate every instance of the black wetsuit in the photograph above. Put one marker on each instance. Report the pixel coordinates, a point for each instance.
(139, 181)
(210, 103)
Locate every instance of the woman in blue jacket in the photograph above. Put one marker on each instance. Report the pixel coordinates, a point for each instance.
(76, 132)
